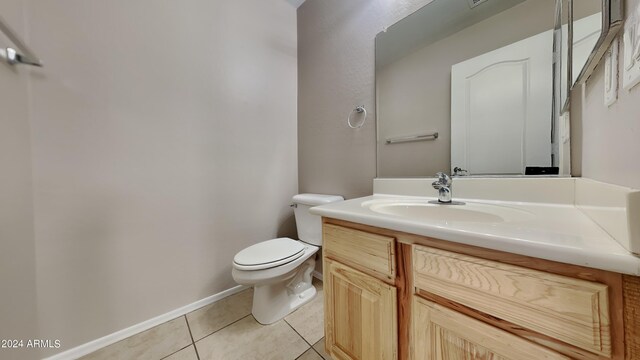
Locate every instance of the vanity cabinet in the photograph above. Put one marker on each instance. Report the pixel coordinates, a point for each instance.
(440, 333)
(371, 253)
(360, 299)
(571, 310)
(390, 294)
(363, 322)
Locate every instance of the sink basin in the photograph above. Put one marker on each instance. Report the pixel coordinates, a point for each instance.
(469, 212)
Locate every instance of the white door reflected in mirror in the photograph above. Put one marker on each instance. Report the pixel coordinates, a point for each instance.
(500, 108)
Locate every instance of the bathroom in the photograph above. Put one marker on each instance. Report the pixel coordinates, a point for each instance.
(159, 139)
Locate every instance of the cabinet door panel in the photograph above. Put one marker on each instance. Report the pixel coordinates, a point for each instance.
(360, 314)
(443, 334)
(571, 310)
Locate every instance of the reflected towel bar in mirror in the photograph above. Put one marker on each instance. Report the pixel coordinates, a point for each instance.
(11, 55)
(404, 139)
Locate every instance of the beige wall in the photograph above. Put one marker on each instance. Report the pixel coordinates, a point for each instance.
(336, 73)
(17, 254)
(414, 93)
(163, 137)
(607, 139)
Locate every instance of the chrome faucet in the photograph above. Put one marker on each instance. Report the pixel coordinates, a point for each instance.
(443, 185)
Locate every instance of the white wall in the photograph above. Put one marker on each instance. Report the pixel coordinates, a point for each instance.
(163, 142)
(605, 140)
(17, 254)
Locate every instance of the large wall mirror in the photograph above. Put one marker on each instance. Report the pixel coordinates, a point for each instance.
(479, 87)
(479, 74)
(592, 27)
(595, 25)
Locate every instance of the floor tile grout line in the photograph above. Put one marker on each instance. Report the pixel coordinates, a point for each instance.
(302, 337)
(189, 328)
(191, 335)
(138, 333)
(222, 328)
(314, 348)
(231, 323)
(193, 341)
(296, 331)
(175, 352)
(244, 317)
(316, 351)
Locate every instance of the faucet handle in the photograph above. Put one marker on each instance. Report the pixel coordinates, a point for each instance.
(458, 171)
(443, 179)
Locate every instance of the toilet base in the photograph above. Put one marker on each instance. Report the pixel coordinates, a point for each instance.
(272, 302)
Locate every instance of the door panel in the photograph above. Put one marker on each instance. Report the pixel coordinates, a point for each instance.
(507, 81)
(501, 108)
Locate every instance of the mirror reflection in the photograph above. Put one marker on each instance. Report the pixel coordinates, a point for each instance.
(587, 26)
(466, 87)
(562, 47)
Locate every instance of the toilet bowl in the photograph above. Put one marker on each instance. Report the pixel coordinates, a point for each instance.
(280, 270)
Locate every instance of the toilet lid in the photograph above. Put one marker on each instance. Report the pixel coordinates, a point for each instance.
(269, 254)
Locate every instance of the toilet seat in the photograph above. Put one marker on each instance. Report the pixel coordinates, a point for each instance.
(269, 254)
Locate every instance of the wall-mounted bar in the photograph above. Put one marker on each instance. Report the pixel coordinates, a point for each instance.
(412, 138)
(11, 55)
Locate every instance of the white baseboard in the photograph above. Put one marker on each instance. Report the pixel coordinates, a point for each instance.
(317, 274)
(97, 344)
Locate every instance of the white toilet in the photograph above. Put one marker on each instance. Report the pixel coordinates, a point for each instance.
(280, 269)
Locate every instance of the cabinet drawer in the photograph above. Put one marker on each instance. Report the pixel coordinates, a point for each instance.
(371, 253)
(571, 310)
(440, 333)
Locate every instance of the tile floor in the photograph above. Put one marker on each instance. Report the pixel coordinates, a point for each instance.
(227, 330)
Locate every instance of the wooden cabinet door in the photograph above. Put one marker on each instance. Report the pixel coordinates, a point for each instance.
(360, 314)
(570, 310)
(440, 333)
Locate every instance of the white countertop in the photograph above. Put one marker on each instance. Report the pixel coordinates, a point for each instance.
(557, 232)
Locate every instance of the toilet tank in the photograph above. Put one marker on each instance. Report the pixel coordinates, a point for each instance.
(309, 225)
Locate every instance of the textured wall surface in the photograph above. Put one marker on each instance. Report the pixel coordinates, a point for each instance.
(608, 137)
(336, 41)
(163, 141)
(17, 254)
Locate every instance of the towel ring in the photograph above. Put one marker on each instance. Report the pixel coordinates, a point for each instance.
(358, 110)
